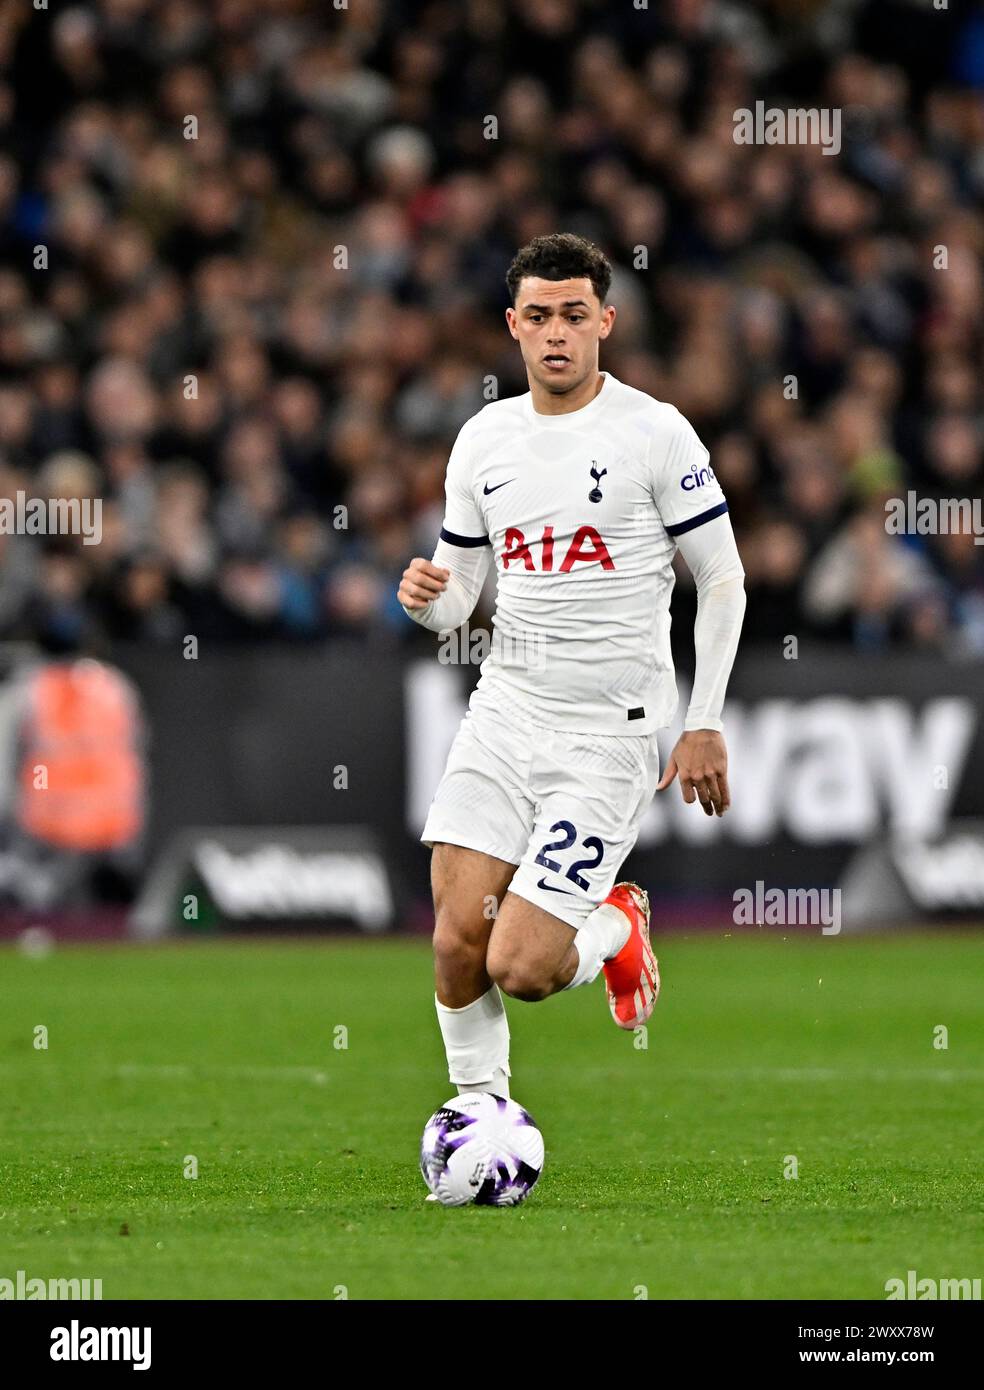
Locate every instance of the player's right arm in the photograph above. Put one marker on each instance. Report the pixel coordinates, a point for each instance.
(442, 592)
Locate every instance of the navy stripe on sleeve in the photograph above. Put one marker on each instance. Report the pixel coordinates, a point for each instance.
(694, 521)
(453, 539)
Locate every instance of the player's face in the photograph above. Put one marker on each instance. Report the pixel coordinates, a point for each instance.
(558, 325)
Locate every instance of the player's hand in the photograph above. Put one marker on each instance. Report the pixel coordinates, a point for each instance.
(421, 582)
(701, 760)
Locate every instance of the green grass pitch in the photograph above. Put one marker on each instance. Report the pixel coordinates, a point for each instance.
(664, 1166)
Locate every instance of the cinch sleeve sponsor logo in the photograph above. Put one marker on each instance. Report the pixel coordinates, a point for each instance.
(697, 477)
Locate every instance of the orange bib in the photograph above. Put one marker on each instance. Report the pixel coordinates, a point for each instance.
(81, 773)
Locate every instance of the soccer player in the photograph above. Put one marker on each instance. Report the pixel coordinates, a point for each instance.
(582, 490)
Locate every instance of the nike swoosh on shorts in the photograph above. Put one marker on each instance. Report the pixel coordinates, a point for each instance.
(549, 888)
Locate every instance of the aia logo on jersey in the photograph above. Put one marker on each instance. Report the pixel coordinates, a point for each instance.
(697, 477)
(586, 546)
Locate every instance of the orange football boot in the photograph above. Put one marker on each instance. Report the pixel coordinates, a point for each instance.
(632, 976)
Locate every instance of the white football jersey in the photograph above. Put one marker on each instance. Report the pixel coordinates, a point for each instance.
(581, 511)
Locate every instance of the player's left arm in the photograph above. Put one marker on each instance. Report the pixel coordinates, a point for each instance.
(700, 756)
(694, 511)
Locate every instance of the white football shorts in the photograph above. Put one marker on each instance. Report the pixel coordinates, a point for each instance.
(564, 807)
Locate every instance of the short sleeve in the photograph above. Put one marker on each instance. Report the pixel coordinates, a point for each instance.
(463, 523)
(685, 490)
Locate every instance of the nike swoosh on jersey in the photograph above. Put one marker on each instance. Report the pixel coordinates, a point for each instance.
(488, 489)
(549, 888)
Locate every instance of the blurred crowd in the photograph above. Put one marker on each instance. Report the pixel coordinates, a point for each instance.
(276, 234)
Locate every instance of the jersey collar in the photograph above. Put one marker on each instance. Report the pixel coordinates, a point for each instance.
(572, 417)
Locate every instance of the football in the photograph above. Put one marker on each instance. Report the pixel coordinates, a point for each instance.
(482, 1149)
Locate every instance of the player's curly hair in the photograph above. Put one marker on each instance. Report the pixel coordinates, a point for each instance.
(561, 256)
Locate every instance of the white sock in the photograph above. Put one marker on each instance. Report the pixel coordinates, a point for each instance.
(476, 1040)
(603, 935)
(498, 1086)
